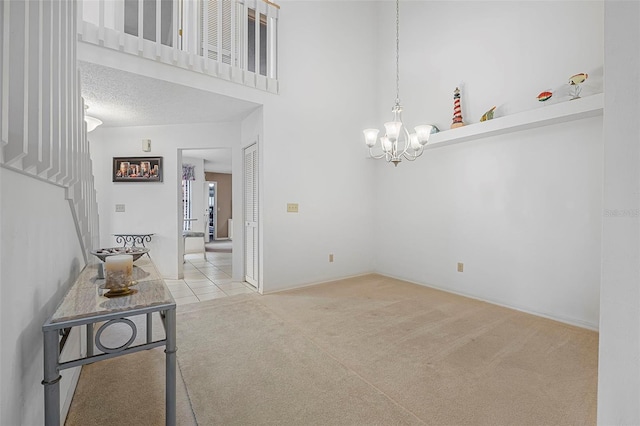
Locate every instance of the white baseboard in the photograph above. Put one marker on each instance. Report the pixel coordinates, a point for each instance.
(66, 404)
(70, 377)
(566, 320)
(318, 282)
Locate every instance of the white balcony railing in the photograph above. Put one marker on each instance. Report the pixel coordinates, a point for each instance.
(235, 40)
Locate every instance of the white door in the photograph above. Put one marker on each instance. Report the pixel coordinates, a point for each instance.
(251, 214)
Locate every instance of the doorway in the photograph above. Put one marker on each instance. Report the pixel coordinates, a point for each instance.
(211, 202)
(219, 202)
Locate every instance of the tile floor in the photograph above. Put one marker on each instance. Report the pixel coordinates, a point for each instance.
(206, 279)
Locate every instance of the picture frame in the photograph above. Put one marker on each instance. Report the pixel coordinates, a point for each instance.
(137, 169)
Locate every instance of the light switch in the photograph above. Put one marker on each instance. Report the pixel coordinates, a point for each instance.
(292, 208)
(119, 208)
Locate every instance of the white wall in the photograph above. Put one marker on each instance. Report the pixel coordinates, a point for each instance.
(41, 258)
(312, 153)
(504, 53)
(151, 207)
(619, 357)
(522, 211)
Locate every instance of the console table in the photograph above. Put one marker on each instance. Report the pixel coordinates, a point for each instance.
(133, 239)
(84, 304)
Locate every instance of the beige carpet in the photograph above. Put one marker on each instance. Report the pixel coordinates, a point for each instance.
(363, 351)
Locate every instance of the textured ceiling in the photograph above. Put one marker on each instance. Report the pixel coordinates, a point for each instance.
(215, 159)
(122, 99)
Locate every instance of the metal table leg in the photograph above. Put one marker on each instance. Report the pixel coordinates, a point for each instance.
(89, 340)
(149, 328)
(52, 378)
(170, 351)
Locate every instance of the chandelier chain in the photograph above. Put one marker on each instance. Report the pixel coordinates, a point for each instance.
(397, 52)
(397, 143)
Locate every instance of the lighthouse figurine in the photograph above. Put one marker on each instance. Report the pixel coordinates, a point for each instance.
(457, 112)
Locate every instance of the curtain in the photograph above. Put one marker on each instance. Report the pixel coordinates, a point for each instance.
(188, 172)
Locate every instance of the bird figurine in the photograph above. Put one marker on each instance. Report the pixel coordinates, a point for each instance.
(575, 81)
(488, 115)
(544, 96)
(578, 78)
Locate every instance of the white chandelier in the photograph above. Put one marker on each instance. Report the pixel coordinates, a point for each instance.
(398, 143)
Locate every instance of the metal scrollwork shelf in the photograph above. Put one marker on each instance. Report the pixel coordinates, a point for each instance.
(133, 239)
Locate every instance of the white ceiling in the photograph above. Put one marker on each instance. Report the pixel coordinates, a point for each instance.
(215, 159)
(122, 99)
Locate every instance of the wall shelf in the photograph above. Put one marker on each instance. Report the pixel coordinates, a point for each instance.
(545, 115)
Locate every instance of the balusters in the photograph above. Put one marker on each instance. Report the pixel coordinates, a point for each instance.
(42, 117)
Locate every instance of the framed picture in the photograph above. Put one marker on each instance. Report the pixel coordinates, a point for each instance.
(137, 169)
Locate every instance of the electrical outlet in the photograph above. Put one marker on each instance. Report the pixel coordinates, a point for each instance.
(119, 208)
(292, 208)
(331, 258)
(460, 267)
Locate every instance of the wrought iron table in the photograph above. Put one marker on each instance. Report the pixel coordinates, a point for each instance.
(84, 304)
(133, 239)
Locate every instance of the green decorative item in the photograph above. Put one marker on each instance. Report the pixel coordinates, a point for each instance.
(488, 115)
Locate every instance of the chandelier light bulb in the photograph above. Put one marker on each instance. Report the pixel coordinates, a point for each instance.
(414, 142)
(423, 132)
(92, 123)
(371, 136)
(387, 145)
(393, 130)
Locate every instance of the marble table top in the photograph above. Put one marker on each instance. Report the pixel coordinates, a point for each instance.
(85, 299)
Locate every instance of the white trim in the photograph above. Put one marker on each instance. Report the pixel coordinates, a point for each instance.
(559, 318)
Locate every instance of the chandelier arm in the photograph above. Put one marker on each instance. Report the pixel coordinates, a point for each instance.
(412, 157)
(407, 141)
(376, 157)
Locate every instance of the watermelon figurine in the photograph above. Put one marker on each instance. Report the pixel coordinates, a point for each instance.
(544, 96)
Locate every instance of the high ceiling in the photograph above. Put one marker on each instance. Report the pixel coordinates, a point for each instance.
(122, 99)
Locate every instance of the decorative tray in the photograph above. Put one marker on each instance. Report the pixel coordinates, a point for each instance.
(136, 252)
